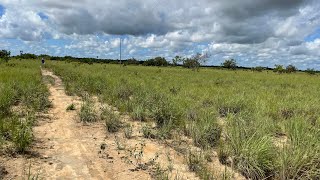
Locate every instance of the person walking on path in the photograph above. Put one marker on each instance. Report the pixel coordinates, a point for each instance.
(42, 61)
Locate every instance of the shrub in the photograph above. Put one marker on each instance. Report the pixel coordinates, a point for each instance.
(6, 100)
(207, 135)
(279, 69)
(158, 61)
(124, 91)
(191, 63)
(252, 154)
(291, 69)
(138, 113)
(5, 55)
(87, 113)
(71, 107)
(163, 111)
(226, 110)
(310, 71)
(300, 159)
(196, 163)
(195, 61)
(147, 132)
(258, 68)
(230, 64)
(22, 137)
(128, 131)
(112, 120)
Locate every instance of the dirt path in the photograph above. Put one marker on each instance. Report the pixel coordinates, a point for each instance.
(70, 150)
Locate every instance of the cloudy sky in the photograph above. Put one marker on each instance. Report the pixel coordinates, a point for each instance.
(254, 32)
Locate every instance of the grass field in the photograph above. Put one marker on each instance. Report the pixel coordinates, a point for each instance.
(22, 94)
(265, 125)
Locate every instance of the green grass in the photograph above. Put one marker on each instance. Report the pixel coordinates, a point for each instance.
(256, 108)
(71, 107)
(87, 112)
(112, 120)
(21, 86)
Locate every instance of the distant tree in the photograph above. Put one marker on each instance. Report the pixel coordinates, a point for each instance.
(195, 61)
(45, 56)
(5, 55)
(158, 61)
(310, 71)
(133, 61)
(258, 68)
(176, 60)
(291, 69)
(279, 68)
(191, 63)
(27, 56)
(230, 64)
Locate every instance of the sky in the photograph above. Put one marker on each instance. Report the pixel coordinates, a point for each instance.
(253, 32)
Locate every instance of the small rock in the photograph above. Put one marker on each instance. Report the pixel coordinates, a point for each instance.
(103, 146)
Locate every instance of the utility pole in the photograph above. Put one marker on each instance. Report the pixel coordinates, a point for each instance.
(120, 51)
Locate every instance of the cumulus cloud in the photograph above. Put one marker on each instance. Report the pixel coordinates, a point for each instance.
(253, 31)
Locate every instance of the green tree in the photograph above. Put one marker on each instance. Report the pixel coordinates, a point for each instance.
(279, 68)
(230, 64)
(195, 61)
(5, 55)
(158, 61)
(310, 71)
(291, 69)
(176, 60)
(191, 63)
(258, 69)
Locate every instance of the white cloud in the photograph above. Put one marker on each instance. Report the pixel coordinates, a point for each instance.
(253, 31)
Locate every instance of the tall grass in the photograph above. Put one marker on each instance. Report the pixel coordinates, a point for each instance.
(21, 87)
(254, 111)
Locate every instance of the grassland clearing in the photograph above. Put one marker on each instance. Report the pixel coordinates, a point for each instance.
(256, 110)
(169, 123)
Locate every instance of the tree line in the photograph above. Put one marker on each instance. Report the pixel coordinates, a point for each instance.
(193, 62)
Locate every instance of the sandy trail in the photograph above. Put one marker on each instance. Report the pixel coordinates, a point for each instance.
(71, 148)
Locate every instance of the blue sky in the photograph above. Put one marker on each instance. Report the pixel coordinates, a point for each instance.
(255, 33)
(2, 10)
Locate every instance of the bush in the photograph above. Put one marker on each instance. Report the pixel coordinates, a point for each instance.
(163, 112)
(138, 113)
(258, 68)
(148, 132)
(71, 107)
(112, 120)
(6, 100)
(5, 55)
(22, 137)
(279, 69)
(123, 91)
(251, 153)
(291, 69)
(196, 163)
(158, 61)
(87, 113)
(191, 63)
(128, 131)
(207, 134)
(230, 64)
(310, 71)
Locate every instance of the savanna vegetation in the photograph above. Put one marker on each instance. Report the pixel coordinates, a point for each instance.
(263, 124)
(22, 94)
